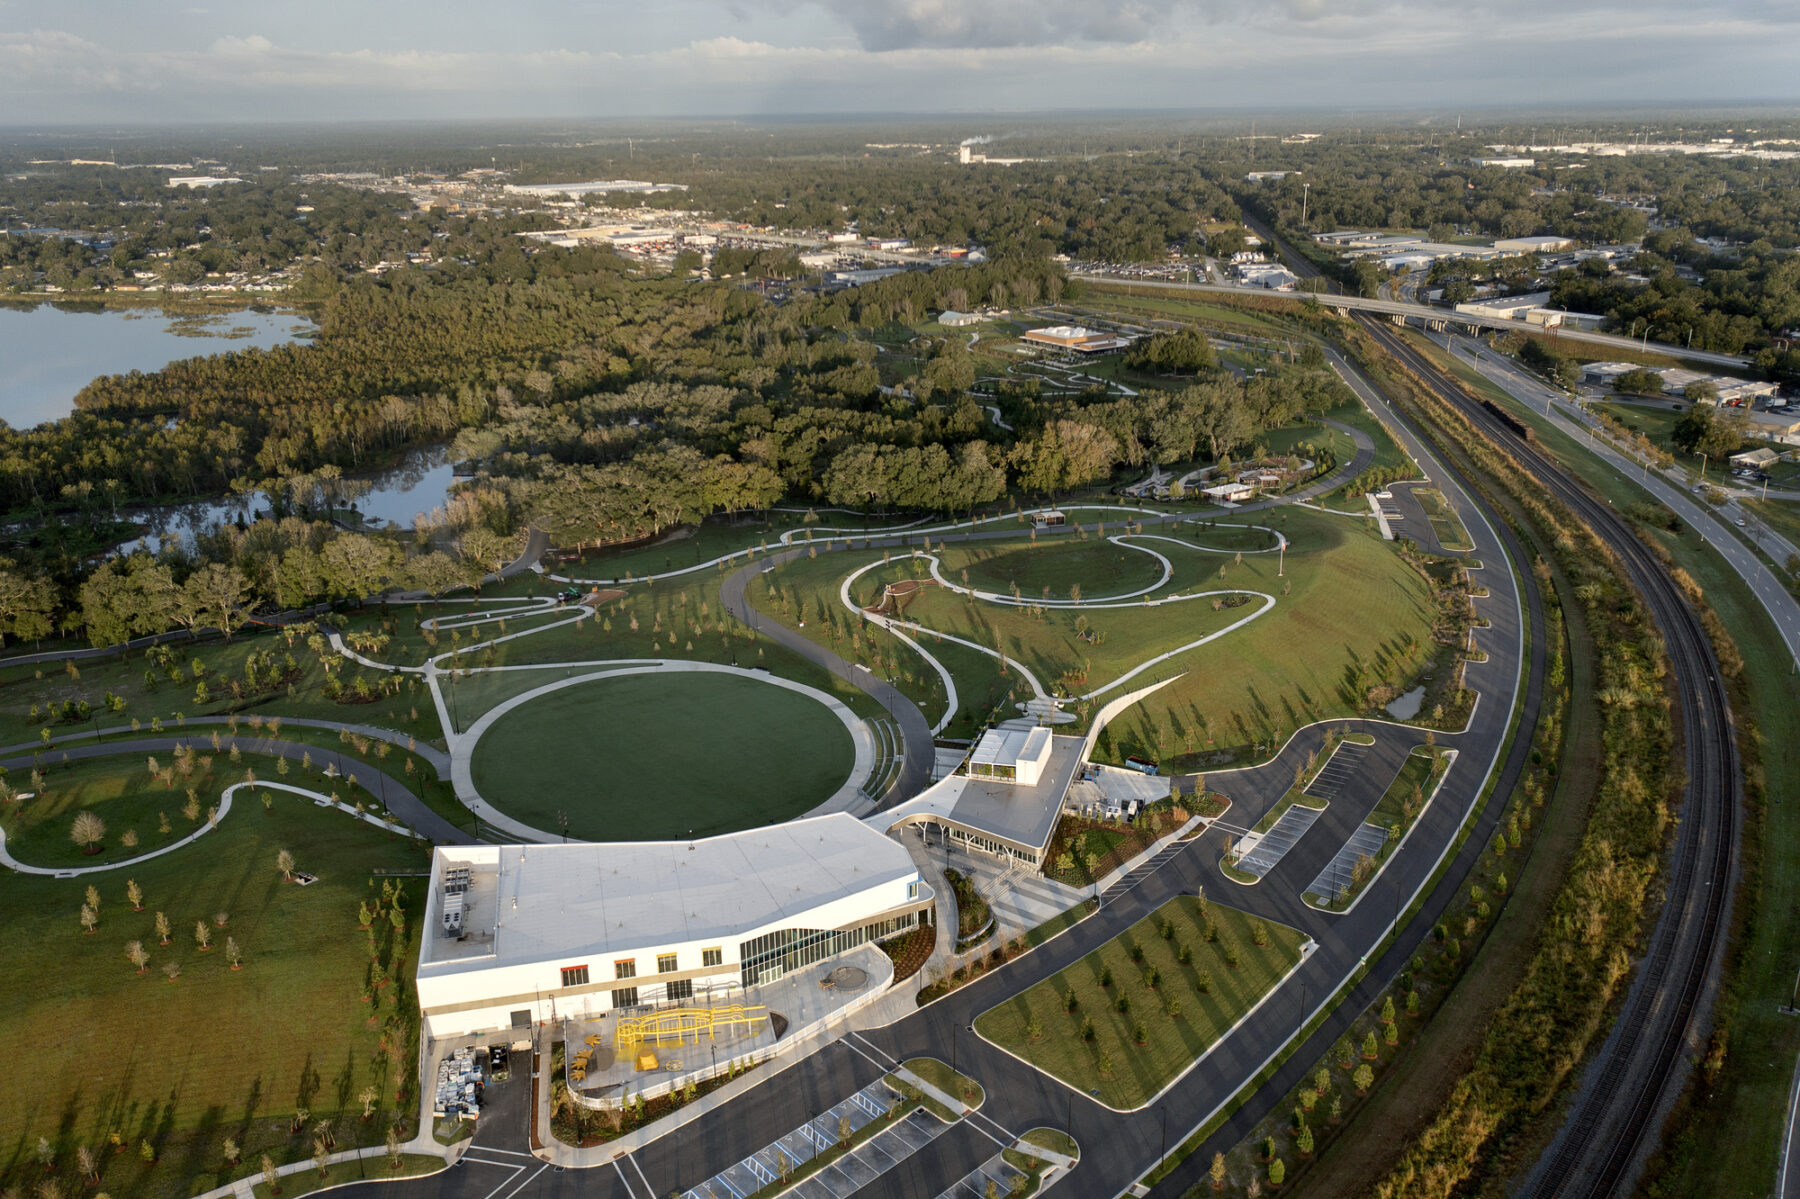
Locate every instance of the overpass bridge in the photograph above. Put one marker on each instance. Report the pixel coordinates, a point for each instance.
(1428, 317)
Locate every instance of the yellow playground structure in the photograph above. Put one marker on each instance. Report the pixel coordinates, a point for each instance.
(683, 1025)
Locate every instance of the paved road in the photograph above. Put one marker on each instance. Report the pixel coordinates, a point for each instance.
(1118, 1146)
(408, 808)
(1425, 312)
(1712, 527)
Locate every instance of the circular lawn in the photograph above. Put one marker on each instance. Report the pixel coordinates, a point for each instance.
(662, 756)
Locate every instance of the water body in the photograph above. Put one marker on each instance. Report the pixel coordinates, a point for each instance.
(418, 483)
(1407, 706)
(51, 352)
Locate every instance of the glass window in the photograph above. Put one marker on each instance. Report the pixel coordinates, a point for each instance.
(625, 969)
(680, 988)
(712, 957)
(665, 963)
(625, 997)
(574, 976)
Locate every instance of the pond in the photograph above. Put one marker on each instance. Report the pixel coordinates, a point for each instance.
(418, 483)
(1407, 706)
(52, 351)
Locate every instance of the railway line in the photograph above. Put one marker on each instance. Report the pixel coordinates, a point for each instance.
(1628, 1088)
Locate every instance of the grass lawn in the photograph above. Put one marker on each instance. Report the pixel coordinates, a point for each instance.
(1096, 566)
(1350, 614)
(1057, 924)
(657, 757)
(215, 1053)
(305, 1182)
(950, 1082)
(1128, 1073)
(1445, 524)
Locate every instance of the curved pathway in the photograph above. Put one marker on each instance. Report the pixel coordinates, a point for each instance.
(398, 799)
(435, 757)
(225, 798)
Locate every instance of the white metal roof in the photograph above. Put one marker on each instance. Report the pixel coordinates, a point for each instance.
(598, 898)
(1009, 747)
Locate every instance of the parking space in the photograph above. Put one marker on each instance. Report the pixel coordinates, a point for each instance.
(846, 1175)
(1338, 770)
(1365, 842)
(1259, 855)
(974, 1185)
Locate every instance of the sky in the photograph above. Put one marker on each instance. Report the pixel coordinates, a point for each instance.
(146, 61)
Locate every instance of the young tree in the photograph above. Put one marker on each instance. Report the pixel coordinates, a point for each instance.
(233, 954)
(393, 1146)
(271, 1176)
(162, 929)
(1370, 1048)
(1217, 1172)
(284, 862)
(172, 969)
(87, 831)
(203, 935)
(367, 1098)
(231, 1151)
(1363, 1078)
(90, 919)
(1277, 1172)
(137, 955)
(1304, 1140)
(134, 895)
(87, 1164)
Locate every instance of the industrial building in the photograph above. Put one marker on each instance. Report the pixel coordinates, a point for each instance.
(591, 187)
(959, 320)
(515, 934)
(1533, 245)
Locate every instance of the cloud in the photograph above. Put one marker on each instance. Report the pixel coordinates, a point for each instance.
(911, 24)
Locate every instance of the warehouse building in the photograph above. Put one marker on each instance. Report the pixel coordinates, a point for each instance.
(516, 934)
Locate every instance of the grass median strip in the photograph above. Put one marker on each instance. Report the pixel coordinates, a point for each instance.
(1133, 1014)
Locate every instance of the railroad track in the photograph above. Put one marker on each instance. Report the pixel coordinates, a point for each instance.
(1613, 1122)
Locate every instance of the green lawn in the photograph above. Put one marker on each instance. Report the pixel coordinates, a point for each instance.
(950, 1082)
(1049, 569)
(1445, 524)
(1353, 615)
(658, 757)
(305, 1182)
(1171, 1042)
(216, 1053)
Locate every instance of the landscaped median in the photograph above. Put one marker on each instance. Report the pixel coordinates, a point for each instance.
(1133, 1015)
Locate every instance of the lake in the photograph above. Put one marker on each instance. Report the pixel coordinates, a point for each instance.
(48, 353)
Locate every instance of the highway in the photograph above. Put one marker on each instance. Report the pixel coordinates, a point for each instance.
(1424, 312)
(1715, 525)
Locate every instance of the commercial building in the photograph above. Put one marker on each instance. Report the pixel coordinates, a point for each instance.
(590, 187)
(515, 934)
(1266, 176)
(959, 320)
(1509, 308)
(1075, 337)
(1759, 458)
(985, 810)
(1505, 163)
(1271, 275)
(1533, 245)
(202, 181)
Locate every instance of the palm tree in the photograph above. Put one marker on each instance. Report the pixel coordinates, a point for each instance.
(137, 955)
(87, 831)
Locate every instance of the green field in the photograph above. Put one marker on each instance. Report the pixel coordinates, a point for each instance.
(1136, 1072)
(215, 1053)
(1048, 569)
(663, 756)
(1349, 614)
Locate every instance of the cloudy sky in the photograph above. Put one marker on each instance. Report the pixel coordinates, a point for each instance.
(69, 61)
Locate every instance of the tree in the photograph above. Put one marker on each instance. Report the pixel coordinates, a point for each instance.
(87, 1164)
(1217, 1172)
(87, 831)
(90, 919)
(393, 1146)
(1277, 1172)
(367, 1098)
(214, 596)
(1363, 1077)
(284, 862)
(162, 929)
(271, 1176)
(233, 954)
(137, 955)
(27, 604)
(1370, 1048)
(134, 895)
(231, 1151)
(1303, 1141)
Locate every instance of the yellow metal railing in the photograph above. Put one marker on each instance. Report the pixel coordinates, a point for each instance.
(679, 1026)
